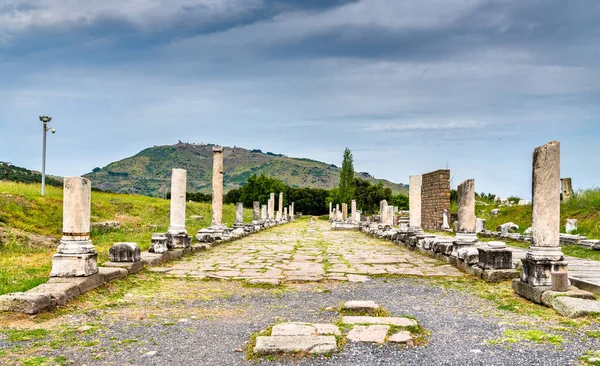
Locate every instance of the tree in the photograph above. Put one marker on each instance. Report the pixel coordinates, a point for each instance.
(346, 187)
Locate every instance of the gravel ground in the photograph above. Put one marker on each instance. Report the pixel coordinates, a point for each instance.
(459, 325)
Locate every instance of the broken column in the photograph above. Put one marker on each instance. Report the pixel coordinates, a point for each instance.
(263, 212)
(353, 210)
(177, 233)
(344, 211)
(414, 203)
(566, 189)
(390, 216)
(238, 226)
(280, 210)
(271, 209)
(480, 225)
(463, 246)
(76, 256)
(337, 212)
(383, 211)
(255, 211)
(445, 222)
(544, 259)
(330, 210)
(217, 231)
(292, 212)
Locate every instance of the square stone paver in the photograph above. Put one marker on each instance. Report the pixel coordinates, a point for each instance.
(287, 344)
(369, 333)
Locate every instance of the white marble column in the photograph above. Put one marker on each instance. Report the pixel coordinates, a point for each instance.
(178, 201)
(239, 213)
(76, 255)
(353, 210)
(414, 201)
(217, 186)
(272, 206)
(467, 220)
(255, 211)
(263, 212)
(344, 211)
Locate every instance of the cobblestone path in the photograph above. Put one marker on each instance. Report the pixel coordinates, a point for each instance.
(308, 251)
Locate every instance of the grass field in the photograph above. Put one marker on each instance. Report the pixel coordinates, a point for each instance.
(31, 225)
(584, 206)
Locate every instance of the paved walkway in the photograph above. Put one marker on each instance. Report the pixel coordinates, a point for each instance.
(313, 252)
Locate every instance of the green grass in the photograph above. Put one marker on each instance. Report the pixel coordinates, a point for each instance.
(25, 260)
(25, 335)
(532, 335)
(584, 206)
(44, 361)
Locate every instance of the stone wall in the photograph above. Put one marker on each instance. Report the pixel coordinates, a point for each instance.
(435, 198)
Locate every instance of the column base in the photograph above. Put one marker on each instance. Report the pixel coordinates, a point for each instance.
(179, 240)
(538, 272)
(74, 265)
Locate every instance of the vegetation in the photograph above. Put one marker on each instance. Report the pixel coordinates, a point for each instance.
(149, 171)
(583, 206)
(31, 225)
(309, 201)
(346, 187)
(9, 172)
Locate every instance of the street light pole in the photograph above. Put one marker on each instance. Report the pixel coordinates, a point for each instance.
(44, 120)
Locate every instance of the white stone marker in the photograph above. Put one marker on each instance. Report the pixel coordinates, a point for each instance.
(76, 255)
(383, 211)
(344, 211)
(480, 226)
(414, 201)
(545, 257)
(390, 216)
(217, 186)
(280, 204)
(255, 211)
(272, 206)
(177, 233)
(239, 213)
(293, 212)
(337, 211)
(353, 210)
(330, 210)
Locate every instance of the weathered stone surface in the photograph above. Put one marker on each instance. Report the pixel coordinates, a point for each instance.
(574, 307)
(25, 302)
(495, 255)
(497, 275)
(285, 344)
(495, 212)
(178, 201)
(566, 188)
(480, 225)
(158, 243)
(357, 278)
(549, 296)
(414, 201)
(293, 329)
(369, 334)
(466, 207)
(400, 322)
(105, 225)
(546, 197)
(217, 186)
(402, 337)
(124, 252)
(327, 329)
(509, 227)
(571, 225)
(361, 305)
(131, 267)
(264, 281)
(435, 198)
(528, 291)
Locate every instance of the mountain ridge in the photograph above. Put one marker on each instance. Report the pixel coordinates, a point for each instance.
(149, 171)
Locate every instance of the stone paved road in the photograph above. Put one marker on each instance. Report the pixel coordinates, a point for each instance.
(300, 252)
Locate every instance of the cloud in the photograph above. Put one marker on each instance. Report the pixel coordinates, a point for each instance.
(455, 125)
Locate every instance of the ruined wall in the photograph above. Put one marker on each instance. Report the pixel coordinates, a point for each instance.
(435, 198)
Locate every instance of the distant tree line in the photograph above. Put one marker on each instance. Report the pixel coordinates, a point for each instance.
(22, 175)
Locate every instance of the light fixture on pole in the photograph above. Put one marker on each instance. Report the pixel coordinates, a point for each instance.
(45, 120)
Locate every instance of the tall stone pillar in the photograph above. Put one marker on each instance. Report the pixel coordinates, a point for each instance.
(383, 212)
(255, 211)
(285, 214)
(280, 210)
(414, 201)
(330, 210)
(217, 186)
(464, 245)
(239, 213)
(389, 217)
(544, 259)
(177, 234)
(292, 212)
(353, 210)
(76, 256)
(271, 206)
(344, 211)
(566, 188)
(263, 212)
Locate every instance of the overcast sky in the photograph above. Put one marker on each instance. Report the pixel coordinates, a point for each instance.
(410, 86)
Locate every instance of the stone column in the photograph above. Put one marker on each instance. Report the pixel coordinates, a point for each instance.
(390, 216)
(414, 201)
(272, 206)
(255, 211)
(567, 189)
(330, 210)
(280, 207)
(353, 210)
(467, 220)
(292, 212)
(337, 211)
(545, 259)
(285, 214)
(383, 212)
(217, 186)
(263, 212)
(344, 211)
(445, 222)
(177, 234)
(239, 213)
(76, 256)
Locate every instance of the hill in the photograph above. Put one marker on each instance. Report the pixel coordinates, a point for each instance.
(149, 171)
(17, 174)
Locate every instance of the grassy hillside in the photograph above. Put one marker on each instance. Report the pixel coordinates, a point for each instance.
(31, 226)
(584, 206)
(149, 171)
(17, 174)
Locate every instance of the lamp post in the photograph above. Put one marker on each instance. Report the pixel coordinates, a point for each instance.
(45, 120)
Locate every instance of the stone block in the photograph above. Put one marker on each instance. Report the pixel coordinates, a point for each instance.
(369, 334)
(111, 273)
(25, 302)
(573, 307)
(131, 267)
(60, 293)
(498, 275)
(549, 296)
(293, 329)
(400, 322)
(124, 252)
(74, 265)
(154, 259)
(84, 284)
(588, 243)
(361, 305)
(402, 337)
(528, 291)
(495, 255)
(159, 243)
(290, 344)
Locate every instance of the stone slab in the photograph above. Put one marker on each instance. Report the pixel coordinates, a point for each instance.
(533, 293)
(264, 281)
(573, 307)
(131, 267)
(369, 334)
(549, 296)
(497, 275)
(402, 337)
(290, 344)
(155, 259)
(111, 274)
(361, 305)
(327, 329)
(293, 329)
(25, 302)
(84, 284)
(400, 322)
(60, 293)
